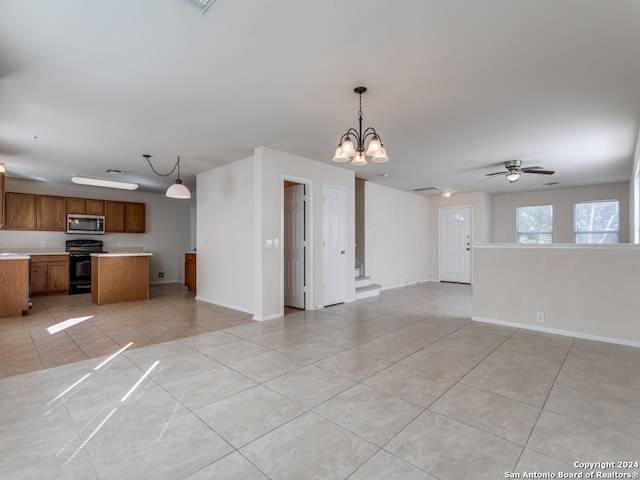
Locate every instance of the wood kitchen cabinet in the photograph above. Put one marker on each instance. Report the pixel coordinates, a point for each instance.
(14, 286)
(114, 216)
(190, 271)
(52, 213)
(49, 274)
(124, 217)
(1, 199)
(134, 218)
(21, 211)
(85, 206)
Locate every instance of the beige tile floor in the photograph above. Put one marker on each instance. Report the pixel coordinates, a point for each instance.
(402, 386)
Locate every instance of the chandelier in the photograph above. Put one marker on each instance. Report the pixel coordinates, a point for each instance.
(352, 142)
(177, 190)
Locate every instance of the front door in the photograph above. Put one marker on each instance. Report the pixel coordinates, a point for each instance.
(334, 240)
(454, 245)
(294, 246)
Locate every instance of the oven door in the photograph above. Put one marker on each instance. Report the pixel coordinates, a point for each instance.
(79, 273)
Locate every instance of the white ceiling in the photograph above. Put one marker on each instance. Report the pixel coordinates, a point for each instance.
(456, 87)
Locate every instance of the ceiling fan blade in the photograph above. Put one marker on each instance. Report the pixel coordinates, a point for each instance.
(490, 176)
(535, 170)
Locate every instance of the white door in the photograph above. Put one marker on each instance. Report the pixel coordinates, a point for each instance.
(334, 239)
(454, 245)
(294, 246)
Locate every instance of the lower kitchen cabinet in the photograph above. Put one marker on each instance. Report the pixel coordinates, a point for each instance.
(190, 271)
(49, 274)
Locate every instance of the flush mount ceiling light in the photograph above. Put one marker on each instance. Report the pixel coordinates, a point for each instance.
(102, 182)
(177, 190)
(201, 5)
(352, 143)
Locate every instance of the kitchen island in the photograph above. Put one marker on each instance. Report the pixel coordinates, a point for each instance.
(14, 284)
(119, 277)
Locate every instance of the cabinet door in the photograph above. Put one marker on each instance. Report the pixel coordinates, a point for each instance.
(76, 205)
(114, 216)
(135, 221)
(190, 271)
(39, 278)
(21, 211)
(58, 277)
(95, 207)
(52, 213)
(1, 199)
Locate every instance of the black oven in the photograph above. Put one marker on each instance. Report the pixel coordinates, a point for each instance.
(80, 264)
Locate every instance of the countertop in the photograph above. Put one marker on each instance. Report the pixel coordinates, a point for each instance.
(122, 254)
(14, 256)
(33, 251)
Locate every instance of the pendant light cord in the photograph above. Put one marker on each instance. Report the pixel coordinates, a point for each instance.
(177, 165)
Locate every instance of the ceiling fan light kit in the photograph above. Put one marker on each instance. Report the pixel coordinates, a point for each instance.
(347, 149)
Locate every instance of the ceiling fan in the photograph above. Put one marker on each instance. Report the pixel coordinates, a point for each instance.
(514, 170)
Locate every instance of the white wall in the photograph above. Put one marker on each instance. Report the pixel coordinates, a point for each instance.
(396, 236)
(589, 291)
(167, 233)
(225, 235)
(562, 199)
(273, 167)
(240, 206)
(481, 229)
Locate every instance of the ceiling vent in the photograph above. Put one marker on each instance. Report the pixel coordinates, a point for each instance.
(424, 189)
(201, 5)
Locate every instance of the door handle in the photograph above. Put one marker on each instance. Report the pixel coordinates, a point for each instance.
(342, 252)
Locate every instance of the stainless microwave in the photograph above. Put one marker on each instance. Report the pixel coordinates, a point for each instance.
(90, 224)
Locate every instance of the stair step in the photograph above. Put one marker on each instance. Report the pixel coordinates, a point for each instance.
(371, 290)
(362, 281)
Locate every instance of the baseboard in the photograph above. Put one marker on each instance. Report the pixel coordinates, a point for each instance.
(566, 333)
(165, 281)
(221, 304)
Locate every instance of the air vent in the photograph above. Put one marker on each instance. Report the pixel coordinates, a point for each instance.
(115, 171)
(424, 189)
(201, 5)
(550, 183)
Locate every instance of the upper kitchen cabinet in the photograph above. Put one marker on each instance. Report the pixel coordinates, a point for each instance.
(52, 213)
(21, 211)
(134, 218)
(95, 207)
(124, 217)
(85, 206)
(114, 216)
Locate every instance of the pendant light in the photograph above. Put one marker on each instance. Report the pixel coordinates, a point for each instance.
(347, 149)
(177, 190)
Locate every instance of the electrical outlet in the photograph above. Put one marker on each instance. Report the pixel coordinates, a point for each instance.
(540, 317)
(43, 243)
(160, 274)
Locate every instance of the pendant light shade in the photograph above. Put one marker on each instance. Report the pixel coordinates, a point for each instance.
(178, 190)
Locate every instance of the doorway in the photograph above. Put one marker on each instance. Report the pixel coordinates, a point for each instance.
(454, 244)
(294, 251)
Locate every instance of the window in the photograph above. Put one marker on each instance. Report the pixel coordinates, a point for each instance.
(535, 224)
(596, 222)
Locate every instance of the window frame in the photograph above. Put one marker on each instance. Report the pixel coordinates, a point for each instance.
(537, 232)
(576, 232)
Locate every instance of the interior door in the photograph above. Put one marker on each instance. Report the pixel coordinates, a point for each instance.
(454, 245)
(334, 239)
(294, 245)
